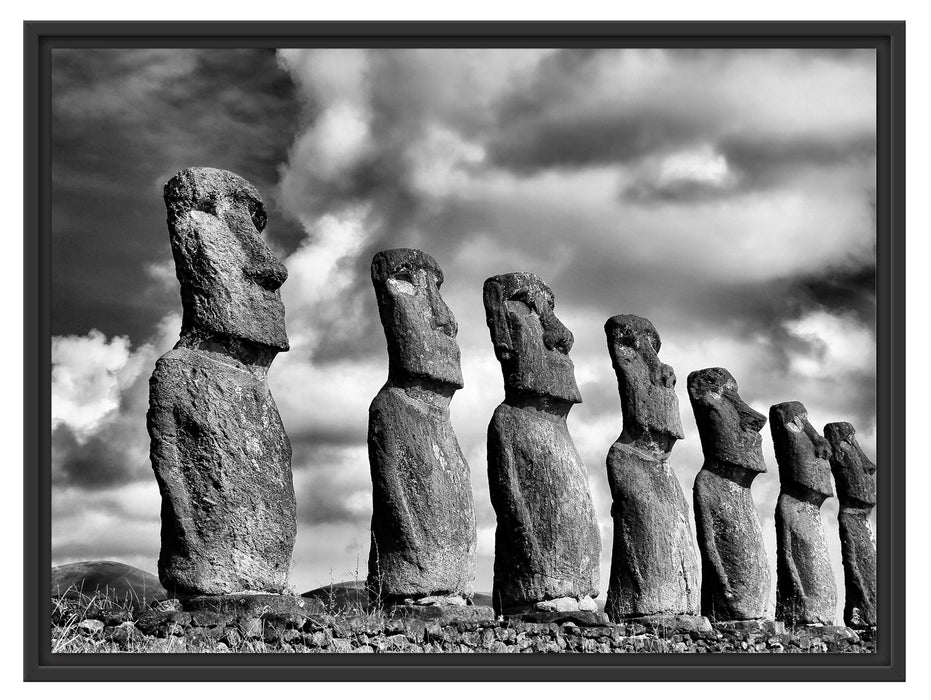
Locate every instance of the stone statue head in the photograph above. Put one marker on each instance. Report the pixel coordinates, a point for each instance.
(853, 470)
(647, 385)
(419, 327)
(531, 344)
(801, 453)
(728, 428)
(229, 276)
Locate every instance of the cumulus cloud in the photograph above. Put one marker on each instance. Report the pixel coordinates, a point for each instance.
(729, 196)
(100, 394)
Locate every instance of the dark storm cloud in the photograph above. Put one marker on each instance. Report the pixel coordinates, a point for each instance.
(569, 111)
(336, 487)
(97, 463)
(123, 122)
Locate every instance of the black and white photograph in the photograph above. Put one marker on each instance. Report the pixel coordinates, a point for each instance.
(549, 351)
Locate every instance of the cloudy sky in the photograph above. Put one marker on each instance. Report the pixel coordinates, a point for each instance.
(728, 196)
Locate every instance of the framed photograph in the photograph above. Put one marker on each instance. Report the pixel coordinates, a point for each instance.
(464, 351)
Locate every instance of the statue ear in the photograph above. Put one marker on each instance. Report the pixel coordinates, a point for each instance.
(496, 317)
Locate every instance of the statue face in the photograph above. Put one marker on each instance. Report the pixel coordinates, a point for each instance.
(853, 470)
(530, 342)
(801, 452)
(229, 277)
(728, 428)
(419, 327)
(647, 385)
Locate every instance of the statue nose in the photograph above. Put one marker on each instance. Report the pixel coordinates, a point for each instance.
(272, 276)
(266, 269)
(442, 315)
(750, 419)
(555, 335)
(667, 376)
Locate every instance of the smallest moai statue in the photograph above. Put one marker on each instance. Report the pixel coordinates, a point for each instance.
(805, 589)
(856, 490)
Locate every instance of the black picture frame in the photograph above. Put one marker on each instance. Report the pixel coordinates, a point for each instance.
(887, 664)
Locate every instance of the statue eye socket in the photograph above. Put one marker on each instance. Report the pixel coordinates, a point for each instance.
(525, 298)
(404, 276)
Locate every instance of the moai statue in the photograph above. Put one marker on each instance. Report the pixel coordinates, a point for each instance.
(547, 543)
(220, 453)
(853, 475)
(654, 568)
(805, 589)
(423, 520)
(735, 576)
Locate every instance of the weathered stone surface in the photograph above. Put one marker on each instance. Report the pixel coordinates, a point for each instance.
(567, 604)
(442, 614)
(280, 607)
(671, 624)
(856, 490)
(437, 600)
(218, 448)
(547, 543)
(757, 626)
(229, 276)
(805, 589)
(580, 618)
(654, 568)
(423, 519)
(735, 571)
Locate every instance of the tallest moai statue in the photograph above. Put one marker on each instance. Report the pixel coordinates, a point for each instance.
(218, 447)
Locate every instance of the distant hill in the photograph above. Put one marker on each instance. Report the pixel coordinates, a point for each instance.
(118, 581)
(341, 597)
(353, 595)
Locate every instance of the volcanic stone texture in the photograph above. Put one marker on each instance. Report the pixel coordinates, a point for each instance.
(856, 490)
(218, 448)
(654, 568)
(735, 571)
(423, 520)
(547, 543)
(805, 588)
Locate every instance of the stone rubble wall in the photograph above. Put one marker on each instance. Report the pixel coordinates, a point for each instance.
(176, 630)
